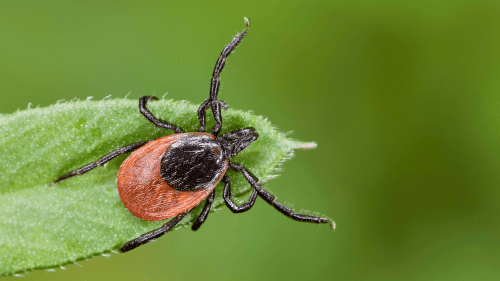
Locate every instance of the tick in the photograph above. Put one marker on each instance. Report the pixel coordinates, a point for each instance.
(168, 177)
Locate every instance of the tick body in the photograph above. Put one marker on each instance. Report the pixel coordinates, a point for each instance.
(168, 177)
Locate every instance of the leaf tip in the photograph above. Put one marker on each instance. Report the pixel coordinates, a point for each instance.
(333, 225)
(303, 145)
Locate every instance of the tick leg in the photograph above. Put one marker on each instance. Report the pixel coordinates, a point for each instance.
(204, 213)
(152, 235)
(271, 200)
(106, 158)
(213, 102)
(158, 122)
(202, 114)
(232, 206)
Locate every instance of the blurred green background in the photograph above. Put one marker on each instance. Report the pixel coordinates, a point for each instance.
(402, 98)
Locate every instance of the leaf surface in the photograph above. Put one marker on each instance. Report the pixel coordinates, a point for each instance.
(44, 225)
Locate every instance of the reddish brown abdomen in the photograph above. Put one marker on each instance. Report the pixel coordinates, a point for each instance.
(144, 192)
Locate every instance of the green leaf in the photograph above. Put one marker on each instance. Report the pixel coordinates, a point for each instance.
(44, 225)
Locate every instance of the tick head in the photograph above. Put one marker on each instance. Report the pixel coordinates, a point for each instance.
(234, 142)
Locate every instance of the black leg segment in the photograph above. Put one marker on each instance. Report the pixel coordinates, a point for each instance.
(230, 204)
(202, 115)
(214, 89)
(271, 200)
(204, 213)
(158, 122)
(152, 235)
(213, 102)
(106, 158)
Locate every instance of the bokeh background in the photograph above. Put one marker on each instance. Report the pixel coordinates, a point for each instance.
(402, 98)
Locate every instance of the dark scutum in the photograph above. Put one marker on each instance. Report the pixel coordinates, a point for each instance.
(192, 163)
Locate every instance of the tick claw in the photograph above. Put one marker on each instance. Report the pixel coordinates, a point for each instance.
(223, 104)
